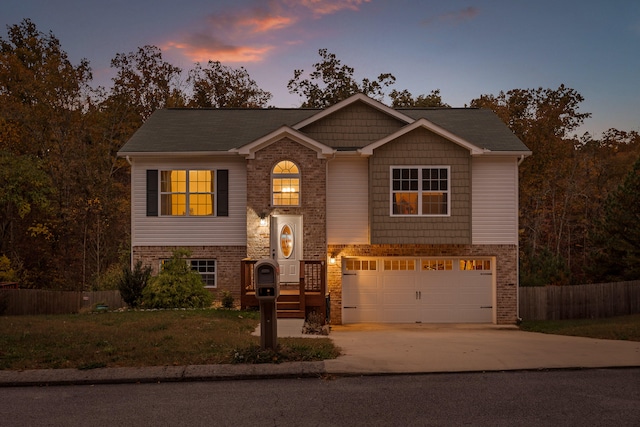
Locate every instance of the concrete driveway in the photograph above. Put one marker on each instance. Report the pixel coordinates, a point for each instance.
(412, 348)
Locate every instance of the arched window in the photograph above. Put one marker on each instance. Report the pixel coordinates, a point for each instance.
(285, 179)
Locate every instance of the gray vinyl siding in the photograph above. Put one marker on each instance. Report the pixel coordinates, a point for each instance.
(495, 200)
(421, 148)
(190, 231)
(348, 201)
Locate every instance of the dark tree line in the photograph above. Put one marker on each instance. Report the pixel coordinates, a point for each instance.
(64, 195)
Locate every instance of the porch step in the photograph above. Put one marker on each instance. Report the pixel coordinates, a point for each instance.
(290, 314)
(288, 305)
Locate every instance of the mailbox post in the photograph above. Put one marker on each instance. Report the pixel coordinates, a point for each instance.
(267, 282)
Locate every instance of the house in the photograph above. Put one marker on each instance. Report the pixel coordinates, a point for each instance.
(405, 215)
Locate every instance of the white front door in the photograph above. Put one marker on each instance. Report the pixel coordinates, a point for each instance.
(286, 246)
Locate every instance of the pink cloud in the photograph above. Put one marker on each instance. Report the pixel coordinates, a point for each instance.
(266, 23)
(202, 48)
(242, 35)
(327, 7)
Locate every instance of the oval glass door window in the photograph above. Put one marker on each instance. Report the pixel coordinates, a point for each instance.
(286, 241)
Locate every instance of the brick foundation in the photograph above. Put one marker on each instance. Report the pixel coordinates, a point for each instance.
(227, 263)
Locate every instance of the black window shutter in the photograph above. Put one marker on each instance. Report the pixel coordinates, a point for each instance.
(152, 192)
(222, 195)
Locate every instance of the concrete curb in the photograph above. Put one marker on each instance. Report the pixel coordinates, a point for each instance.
(51, 377)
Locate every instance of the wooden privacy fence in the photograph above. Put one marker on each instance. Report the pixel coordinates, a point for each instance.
(36, 301)
(580, 302)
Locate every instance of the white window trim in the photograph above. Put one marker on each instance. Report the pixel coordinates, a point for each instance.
(187, 193)
(420, 190)
(215, 273)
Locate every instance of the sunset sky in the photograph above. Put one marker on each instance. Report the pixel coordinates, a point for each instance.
(464, 48)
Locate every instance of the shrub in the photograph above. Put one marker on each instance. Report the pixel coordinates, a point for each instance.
(133, 283)
(111, 278)
(177, 286)
(226, 299)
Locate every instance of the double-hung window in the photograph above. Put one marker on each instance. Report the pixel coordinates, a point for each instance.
(420, 191)
(207, 270)
(187, 192)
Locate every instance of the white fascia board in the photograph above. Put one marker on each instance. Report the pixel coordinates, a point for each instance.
(426, 124)
(250, 149)
(355, 98)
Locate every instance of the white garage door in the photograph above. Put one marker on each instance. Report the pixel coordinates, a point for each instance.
(408, 290)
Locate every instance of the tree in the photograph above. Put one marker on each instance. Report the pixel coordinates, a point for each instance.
(617, 239)
(41, 92)
(42, 102)
(220, 86)
(23, 187)
(145, 82)
(332, 82)
(404, 99)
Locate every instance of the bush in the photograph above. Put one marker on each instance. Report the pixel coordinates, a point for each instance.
(226, 299)
(112, 278)
(177, 286)
(133, 283)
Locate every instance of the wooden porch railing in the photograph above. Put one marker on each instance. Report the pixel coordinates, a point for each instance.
(310, 294)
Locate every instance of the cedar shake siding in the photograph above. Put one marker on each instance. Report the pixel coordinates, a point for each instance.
(421, 148)
(354, 126)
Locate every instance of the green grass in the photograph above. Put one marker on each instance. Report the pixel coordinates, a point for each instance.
(614, 328)
(145, 338)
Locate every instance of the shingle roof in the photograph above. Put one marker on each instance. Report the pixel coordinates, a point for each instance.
(481, 127)
(201, 130)
(219, 130)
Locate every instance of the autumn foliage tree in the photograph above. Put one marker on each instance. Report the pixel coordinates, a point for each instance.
(331, 81)
(218, 86)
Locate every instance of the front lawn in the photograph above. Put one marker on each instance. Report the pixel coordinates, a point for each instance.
(613, 328)
(145, 338)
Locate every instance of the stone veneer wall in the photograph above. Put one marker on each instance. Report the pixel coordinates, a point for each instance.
(227, 263)
(506, 270)
(313, 198)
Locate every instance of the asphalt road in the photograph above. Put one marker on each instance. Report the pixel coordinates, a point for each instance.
(594, 397)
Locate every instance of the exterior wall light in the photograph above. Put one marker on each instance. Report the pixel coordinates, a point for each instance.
(263, 220)
(332, 259)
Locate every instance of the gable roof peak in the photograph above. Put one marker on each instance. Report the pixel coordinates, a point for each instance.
(358, 97)
(249, 150)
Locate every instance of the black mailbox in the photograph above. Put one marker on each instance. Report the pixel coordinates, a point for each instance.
(267, 280)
